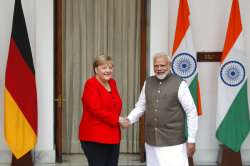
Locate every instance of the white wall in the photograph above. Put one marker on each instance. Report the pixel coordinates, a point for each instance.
(208, 23)
(158, 29)
(39, 20)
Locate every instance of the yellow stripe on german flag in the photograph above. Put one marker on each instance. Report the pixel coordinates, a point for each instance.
(20, 97)
(19, 128)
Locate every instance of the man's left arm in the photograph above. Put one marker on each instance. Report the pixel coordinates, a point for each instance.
(189, 107)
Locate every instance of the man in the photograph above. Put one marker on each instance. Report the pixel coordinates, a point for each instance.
(166, 100)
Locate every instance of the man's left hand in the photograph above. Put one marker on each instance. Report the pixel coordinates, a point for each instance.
(190, 149)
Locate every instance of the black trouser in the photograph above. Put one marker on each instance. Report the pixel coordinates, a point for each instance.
(101, 154)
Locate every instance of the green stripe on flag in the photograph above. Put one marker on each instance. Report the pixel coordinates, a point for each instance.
(236, 125)
(193, 89)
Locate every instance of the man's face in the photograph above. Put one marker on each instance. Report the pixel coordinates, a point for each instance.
(161, 66)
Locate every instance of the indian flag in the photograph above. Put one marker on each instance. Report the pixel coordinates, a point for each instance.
(184, 59)
(233, 124)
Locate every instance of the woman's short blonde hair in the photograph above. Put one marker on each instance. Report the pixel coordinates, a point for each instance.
(100, 60)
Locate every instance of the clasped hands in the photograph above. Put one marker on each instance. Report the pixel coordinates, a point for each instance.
(124, 122)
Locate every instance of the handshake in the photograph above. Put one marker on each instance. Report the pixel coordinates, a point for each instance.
(124, 122)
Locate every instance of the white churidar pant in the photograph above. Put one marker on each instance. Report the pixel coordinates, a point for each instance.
(166, 156)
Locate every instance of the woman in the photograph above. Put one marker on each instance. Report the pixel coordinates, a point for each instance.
(99, 130)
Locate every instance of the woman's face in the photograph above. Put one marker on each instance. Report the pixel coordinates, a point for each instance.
(104, 71)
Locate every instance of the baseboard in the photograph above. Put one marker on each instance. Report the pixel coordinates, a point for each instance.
(43, 156)
(245, 157)
(210, 156)
(5, 156)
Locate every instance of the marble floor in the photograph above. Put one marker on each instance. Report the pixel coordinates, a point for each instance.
(80, 160)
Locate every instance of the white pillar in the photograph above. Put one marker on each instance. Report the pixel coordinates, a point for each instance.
(39, 21)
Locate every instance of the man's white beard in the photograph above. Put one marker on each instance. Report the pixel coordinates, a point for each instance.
(162, 76)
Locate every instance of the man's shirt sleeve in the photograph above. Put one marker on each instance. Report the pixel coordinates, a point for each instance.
(140, 107)
(189, 107)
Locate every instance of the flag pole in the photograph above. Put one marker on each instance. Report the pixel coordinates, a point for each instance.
(190, 161)
(227, 157)
(24, 160)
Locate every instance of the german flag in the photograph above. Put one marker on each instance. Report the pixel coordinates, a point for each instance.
(20, 97)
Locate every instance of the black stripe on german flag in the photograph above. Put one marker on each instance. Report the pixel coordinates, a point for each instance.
(20, 35)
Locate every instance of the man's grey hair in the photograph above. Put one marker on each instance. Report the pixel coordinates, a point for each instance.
(162, 55)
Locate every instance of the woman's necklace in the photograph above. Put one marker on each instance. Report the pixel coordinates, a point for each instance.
(104, 84)
(107, 87)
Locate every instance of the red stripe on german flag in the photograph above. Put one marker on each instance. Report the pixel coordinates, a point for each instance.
(20, 90)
